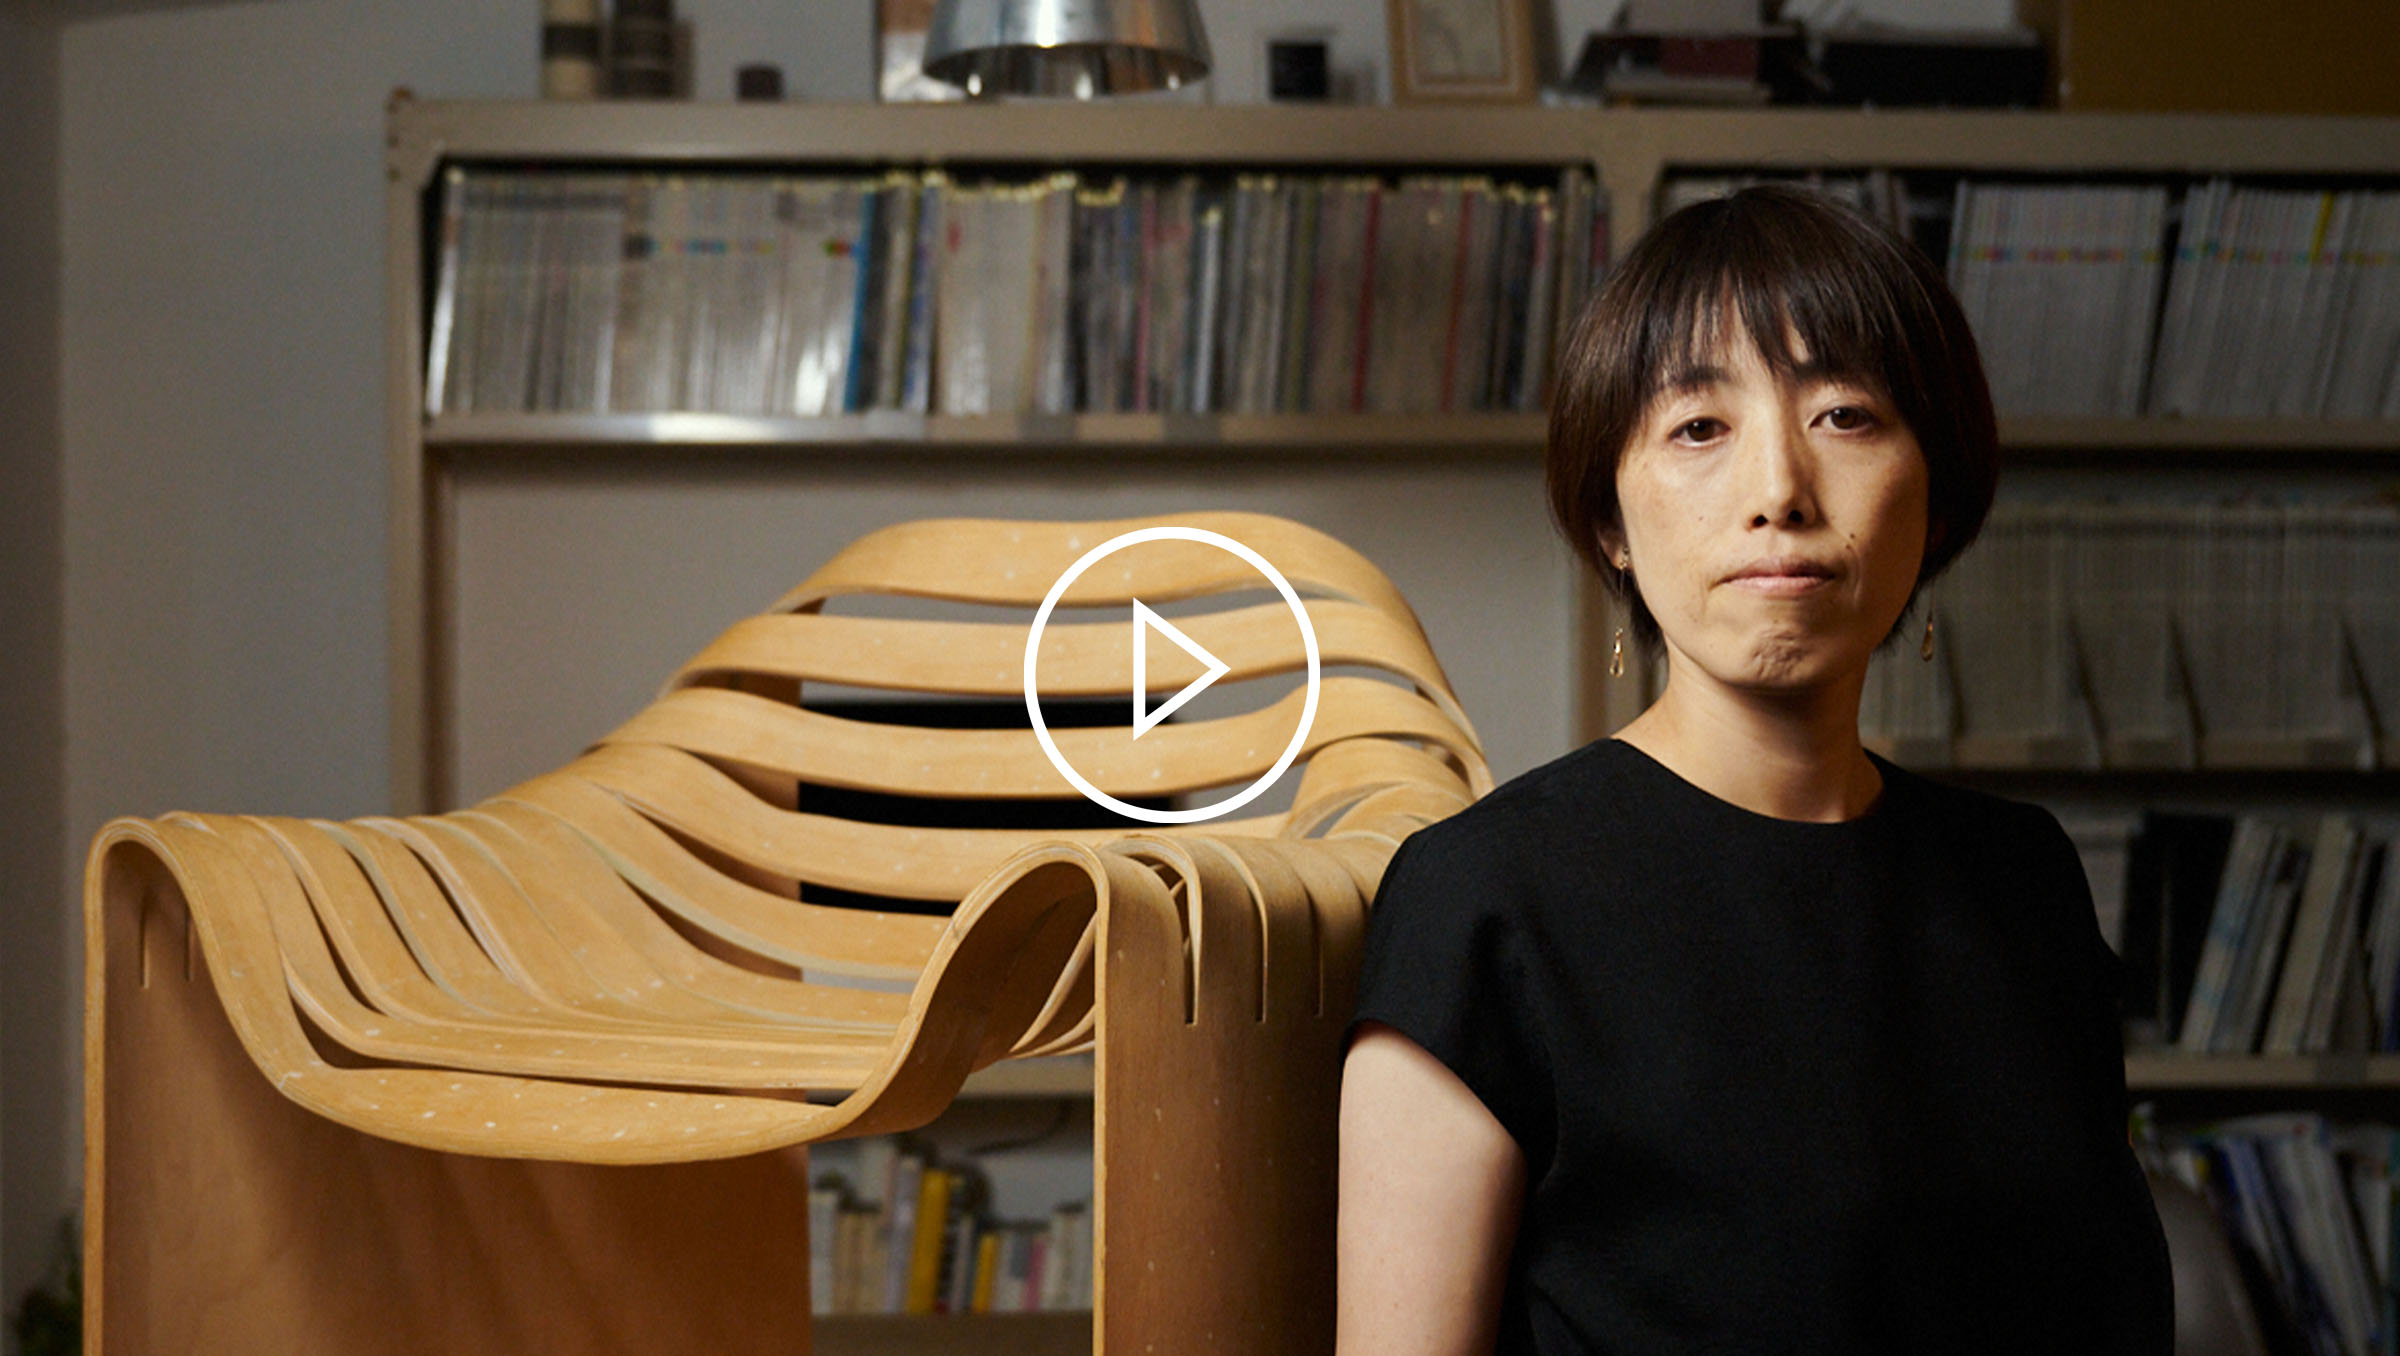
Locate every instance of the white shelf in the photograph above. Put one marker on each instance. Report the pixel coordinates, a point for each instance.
(1509, 434)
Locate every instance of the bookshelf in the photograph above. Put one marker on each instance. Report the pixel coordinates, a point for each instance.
(1630, 154)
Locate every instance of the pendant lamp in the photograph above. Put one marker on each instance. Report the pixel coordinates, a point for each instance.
(1066, 48)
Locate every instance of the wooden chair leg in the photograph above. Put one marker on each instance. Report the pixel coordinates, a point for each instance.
(234, 1221)
(1215, 1188)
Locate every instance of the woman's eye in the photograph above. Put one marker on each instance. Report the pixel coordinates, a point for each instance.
(1698, 430)
(1849, 417)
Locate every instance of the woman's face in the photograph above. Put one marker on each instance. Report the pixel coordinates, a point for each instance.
(1775, 527)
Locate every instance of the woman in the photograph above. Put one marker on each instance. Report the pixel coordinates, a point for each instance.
(1725, 1034)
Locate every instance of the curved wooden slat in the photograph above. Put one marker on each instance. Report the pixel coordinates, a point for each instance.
(1087, 659)
(562, 870)
(797, 1057)
(857, 942)
(374, 956)
(1172, 758)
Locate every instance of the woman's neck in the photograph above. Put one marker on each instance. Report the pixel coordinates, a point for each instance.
(1790, 754)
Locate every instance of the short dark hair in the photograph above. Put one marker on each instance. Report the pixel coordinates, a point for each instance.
(1866, 303)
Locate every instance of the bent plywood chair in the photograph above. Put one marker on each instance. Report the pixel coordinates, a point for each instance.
(524, 1064)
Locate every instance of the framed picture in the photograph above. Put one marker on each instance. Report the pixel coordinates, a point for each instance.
(1462, 51)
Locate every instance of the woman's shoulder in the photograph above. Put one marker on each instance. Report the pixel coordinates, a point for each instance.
(1967, 812)
(1515, 834)
(1572, 786)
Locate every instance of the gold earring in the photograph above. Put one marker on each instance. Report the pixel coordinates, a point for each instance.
(1616, 656)
(1925, 651)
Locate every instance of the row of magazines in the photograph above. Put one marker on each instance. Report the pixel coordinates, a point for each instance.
(2120, 299)
(806, 295)
(2162, 632)
(918, 291)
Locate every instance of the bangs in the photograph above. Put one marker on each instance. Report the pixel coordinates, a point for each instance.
(1809, 306)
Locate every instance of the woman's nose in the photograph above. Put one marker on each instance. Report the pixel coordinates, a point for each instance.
(1779, 485)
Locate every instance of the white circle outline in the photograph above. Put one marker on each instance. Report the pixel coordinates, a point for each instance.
(1041, 728)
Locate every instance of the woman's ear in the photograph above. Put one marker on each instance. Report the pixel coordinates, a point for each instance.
(1612, 543)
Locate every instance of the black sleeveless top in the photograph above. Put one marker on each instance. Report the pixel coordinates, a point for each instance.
(1782, 1086)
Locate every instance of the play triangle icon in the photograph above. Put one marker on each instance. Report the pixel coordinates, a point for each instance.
(1144, 622)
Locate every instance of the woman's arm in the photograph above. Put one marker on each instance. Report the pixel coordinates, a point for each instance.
(1430, 1188)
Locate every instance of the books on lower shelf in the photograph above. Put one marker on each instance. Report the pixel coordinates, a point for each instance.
(2118, 299)
(2264, 934)
(800, 295)
(925, 1243)
(2156, 633)
(2306, 1206)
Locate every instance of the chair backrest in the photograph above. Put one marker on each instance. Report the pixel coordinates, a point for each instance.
(723, 757)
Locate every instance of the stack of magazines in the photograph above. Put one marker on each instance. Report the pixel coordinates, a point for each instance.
(2261, 302)
(812, 295)
(2119, 299)
(2156, 633)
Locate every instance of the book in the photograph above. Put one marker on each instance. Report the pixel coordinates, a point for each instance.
(924, 284)
(987, 1261)
(825, 1202)
(2238, 891)
(2262, 945)
(900, 256)
(2322, 917)
(897, 1233)
(930, 1227)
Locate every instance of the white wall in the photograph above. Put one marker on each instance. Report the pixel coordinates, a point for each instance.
(218, 374)
(37, 989)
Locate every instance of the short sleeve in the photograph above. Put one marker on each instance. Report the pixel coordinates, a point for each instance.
(1443, 964)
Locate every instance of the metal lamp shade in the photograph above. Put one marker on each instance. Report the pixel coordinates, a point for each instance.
(1066, 48)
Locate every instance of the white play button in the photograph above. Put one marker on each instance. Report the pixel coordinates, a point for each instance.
(1144, 622)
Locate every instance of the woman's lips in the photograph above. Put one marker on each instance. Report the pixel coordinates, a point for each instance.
(1782, 585)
